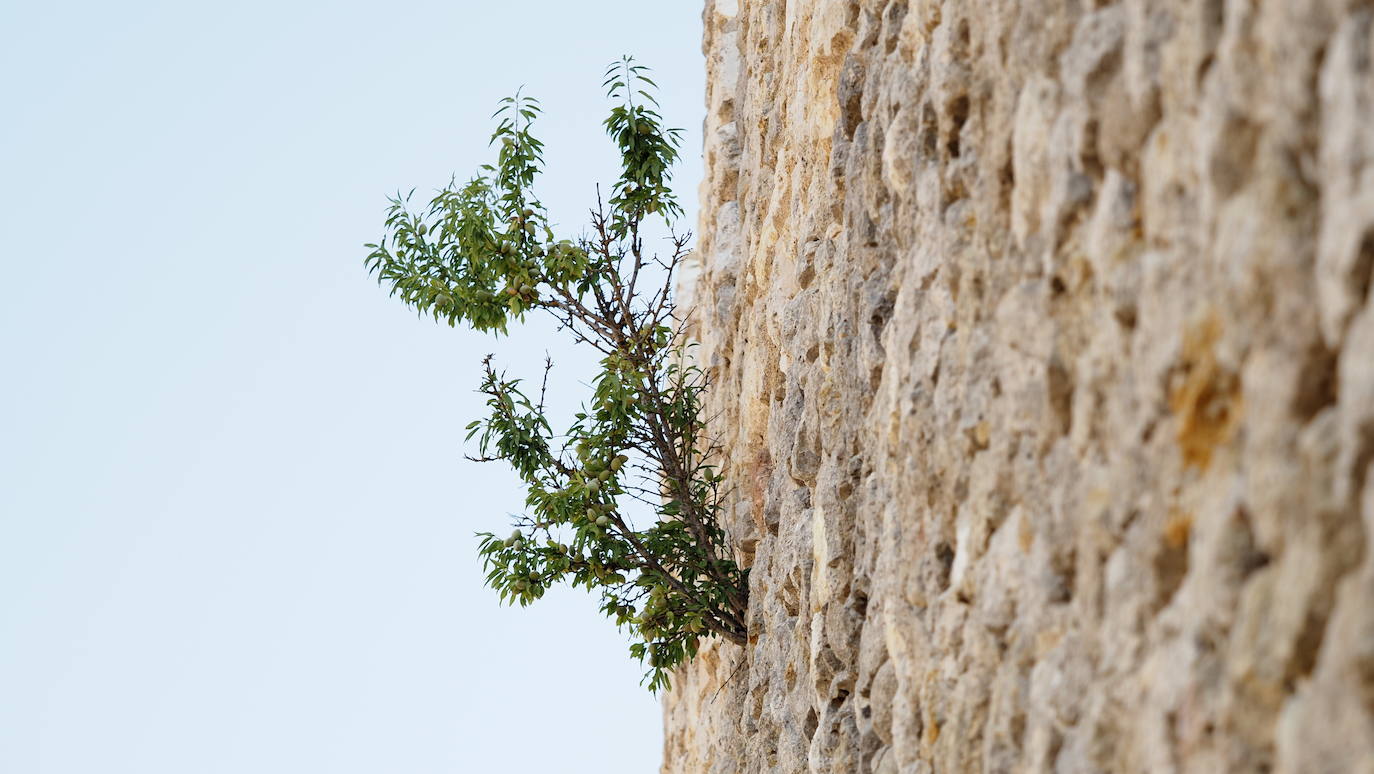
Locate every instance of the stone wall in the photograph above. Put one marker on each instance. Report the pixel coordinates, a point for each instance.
(1044, 359)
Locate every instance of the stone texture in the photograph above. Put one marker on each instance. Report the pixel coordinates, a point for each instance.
(1044, 361)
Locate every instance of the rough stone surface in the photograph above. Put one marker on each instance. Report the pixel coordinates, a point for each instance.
(1044, 359)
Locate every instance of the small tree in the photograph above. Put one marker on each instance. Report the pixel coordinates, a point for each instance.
(484, 253)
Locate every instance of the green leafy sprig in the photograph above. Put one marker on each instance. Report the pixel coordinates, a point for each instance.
(484, 253)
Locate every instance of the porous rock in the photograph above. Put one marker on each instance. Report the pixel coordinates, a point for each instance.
(1043, 361)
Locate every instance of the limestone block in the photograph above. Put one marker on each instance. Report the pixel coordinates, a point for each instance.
(1043, 363)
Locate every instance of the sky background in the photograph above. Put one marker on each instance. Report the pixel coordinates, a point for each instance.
(235, 522)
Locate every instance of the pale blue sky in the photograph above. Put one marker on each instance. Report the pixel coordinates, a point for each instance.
(235, 525)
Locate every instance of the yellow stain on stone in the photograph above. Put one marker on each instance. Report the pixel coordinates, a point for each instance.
(1204, 396)
(1177, 529)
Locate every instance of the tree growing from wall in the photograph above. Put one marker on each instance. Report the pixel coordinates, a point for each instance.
(485, 254)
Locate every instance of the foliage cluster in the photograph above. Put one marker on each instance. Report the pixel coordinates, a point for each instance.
(484, 253)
